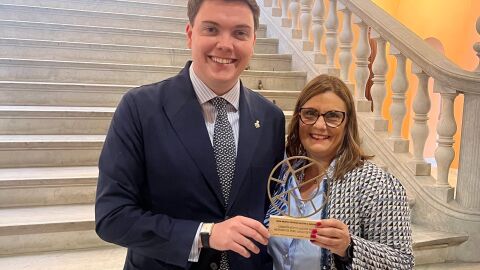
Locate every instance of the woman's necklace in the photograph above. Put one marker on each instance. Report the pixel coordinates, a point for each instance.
(307, 189)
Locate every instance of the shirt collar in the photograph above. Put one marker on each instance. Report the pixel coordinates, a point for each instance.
(205, 94)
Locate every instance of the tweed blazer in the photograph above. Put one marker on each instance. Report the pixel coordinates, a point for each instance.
(374, 206)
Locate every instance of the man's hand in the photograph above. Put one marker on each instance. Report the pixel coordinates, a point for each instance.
(235, 234)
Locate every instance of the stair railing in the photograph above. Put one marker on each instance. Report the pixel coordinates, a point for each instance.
(310, 28)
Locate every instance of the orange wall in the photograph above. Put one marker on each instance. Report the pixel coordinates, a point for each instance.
(453, 24)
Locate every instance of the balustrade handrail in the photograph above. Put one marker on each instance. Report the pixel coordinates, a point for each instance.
(414, 48)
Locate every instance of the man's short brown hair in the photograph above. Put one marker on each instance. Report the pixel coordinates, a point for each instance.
(194, 6)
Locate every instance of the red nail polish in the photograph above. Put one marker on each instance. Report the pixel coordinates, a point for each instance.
(314, 231)
(313, 236)
(319, 224)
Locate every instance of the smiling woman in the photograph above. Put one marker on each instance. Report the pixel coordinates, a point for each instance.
(366, 221)
(222, 37)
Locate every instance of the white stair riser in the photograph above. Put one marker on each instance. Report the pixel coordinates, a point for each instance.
(167, 2)
(61, 95)
(52, 241)
(126, 7)
(73, 17)
(286, 100)
(91, 18)
(104, 96)
(62, 125)
(50, 2)
(126, 74)
(21, 157)
(106, 258)
(431, 254)
(24, 49)
(53, 125)
(70, 33)
(41, 195)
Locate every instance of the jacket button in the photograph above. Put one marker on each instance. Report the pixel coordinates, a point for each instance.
(213, 266)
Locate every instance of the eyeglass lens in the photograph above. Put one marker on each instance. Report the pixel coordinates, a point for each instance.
(331, 118)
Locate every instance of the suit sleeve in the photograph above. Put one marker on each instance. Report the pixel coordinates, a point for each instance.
(121, 215)
(279, 152)
(387, 228)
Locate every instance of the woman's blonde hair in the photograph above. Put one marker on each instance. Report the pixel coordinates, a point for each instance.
(350, 155)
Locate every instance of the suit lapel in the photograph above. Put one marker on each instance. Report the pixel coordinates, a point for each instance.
(247, 142)
(186, 117)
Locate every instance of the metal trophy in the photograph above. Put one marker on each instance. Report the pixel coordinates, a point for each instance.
(295, 224)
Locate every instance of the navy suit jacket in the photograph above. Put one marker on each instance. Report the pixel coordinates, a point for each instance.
(158, 180)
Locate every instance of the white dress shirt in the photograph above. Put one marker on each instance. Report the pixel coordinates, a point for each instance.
(204, 95)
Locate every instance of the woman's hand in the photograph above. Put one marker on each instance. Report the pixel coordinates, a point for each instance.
(333, 235)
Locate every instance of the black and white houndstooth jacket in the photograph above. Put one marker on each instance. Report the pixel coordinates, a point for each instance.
(374, 205)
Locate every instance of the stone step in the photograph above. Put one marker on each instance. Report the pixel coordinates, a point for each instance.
(22, 151)
(105, 258)
(99, 73)
(61, 94)
(64, 94)
(449, 266)
(95, 18)
(432, 246)
(171, 2)
(107, 35)
(138, 55)
(22, 187)
(47, 228)
(168, 8)
(112, 258)
(44, 120)
(29, 224)
(55, 120)
(51, 185)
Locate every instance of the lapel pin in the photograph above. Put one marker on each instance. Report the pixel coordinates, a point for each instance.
(257, 124)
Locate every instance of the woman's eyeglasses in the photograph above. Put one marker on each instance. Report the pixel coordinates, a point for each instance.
(333, 119)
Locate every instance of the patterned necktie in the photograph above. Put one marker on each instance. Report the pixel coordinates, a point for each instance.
(225, 155)
(223, 147)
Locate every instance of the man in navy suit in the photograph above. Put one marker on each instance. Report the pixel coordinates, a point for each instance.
(159, 192)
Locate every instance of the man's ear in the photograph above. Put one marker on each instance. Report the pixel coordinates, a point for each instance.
(188, 30)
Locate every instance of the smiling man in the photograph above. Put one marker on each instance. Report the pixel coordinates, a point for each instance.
(183, 172)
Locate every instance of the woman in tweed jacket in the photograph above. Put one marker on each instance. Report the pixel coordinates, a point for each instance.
(366, 223)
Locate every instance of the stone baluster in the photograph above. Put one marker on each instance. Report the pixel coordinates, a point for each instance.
(476, 46)
(294, 13)
(276, 9)
(318, 30)
(398, 108)
(362, 72)
(267, 3)
(306, 23)
(419, 131)
(379, 90)
(468, 186)
(331, 41)
(446, 128)
(345, 38)
(286, 22)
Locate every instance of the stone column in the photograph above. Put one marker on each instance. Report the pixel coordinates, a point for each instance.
(468, 184)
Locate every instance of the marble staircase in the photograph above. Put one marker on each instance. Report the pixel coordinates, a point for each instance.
(64, 65)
